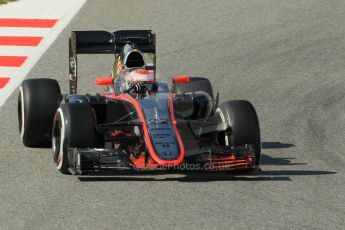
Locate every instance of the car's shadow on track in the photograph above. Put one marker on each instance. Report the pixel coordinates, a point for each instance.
(267, 175)
(195, 176)
(276, 145)
(269, 160)
(270, 175)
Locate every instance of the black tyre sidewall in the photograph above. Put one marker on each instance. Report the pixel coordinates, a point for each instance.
(40, 98)
(78, 121)
(243, 120)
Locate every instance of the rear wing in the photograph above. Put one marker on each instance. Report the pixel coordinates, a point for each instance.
(103, 42)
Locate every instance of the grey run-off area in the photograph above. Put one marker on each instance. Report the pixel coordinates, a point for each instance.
(286, 57)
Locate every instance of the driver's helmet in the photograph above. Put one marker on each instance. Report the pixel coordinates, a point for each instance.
(130, 78)
(140, 75)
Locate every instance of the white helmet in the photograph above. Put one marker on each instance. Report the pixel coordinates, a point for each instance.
(140, 75)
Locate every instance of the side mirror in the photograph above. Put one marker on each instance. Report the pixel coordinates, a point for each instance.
(181, 79)
(105, 81)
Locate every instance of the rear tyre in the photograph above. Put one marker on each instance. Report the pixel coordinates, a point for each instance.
(195, 84)
(74, 126)
(241, 116)
(38, 101)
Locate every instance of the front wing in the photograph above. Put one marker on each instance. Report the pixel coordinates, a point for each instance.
(213, 158)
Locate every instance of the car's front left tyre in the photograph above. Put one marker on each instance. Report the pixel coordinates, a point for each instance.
(241, 117)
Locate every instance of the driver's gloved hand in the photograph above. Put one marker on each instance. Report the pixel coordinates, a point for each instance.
(138, 88)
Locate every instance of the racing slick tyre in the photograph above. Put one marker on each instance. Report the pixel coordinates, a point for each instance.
(38, 100)
(195, 84)
(74, 126)
(241, 116)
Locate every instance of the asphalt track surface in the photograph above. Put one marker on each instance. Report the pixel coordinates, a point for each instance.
(286, 57)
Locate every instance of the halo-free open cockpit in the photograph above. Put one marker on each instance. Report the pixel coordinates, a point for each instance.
(141, 123)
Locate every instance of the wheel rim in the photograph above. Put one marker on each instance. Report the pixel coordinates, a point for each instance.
(226, 136)
(58, 138)
(56, 141)
(21, 113)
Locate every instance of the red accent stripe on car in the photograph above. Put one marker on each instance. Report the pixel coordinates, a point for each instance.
(24, 22)
(3, 81)
(150, 147)
(12, 61)
(177, 132)
(19, 41)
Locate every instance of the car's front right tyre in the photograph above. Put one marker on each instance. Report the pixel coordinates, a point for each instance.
(73, 127)
(38, 100)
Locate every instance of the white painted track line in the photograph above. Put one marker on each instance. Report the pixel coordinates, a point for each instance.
(17, 51)
(39, 32)
(40, 8)
(62, 10)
